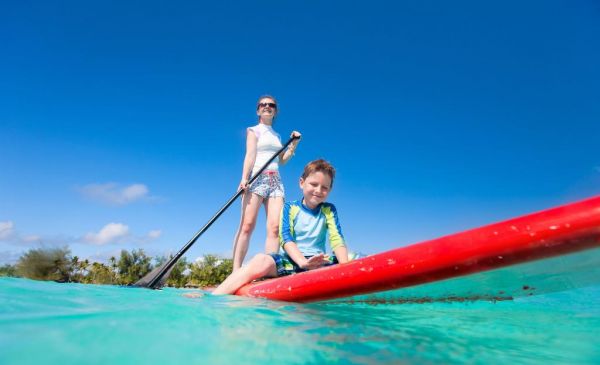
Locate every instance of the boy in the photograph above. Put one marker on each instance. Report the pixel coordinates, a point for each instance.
(302, 233)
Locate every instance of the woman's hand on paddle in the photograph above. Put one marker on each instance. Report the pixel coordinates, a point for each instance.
(285, 156)
(315, 262)
(243, 185)
(296, 135)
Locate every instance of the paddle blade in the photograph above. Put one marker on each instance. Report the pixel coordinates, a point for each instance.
(148, 279)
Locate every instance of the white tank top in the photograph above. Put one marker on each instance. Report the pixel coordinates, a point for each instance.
(269, 142)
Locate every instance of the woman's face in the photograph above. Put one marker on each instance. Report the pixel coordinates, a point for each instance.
(267, 109)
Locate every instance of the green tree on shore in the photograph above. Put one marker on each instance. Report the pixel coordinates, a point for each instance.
(46, 264)
(99, 273)
(8, 270)
(210, 271)
(79, 269)
(133, 266)
(179, 276)
(57, 264)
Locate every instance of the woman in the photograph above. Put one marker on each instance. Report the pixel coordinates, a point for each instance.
(262, 142)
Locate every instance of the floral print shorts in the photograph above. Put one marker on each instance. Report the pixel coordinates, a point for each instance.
(268, 185)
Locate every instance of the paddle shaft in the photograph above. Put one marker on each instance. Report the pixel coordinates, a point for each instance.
(177, 256)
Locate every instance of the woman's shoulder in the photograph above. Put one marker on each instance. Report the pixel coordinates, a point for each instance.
(256, 129)
(261, 129)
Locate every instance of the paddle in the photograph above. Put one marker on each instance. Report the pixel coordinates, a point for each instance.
(157, 277)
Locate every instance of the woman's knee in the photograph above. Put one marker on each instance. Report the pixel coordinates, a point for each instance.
(247, 226)
(273, 229)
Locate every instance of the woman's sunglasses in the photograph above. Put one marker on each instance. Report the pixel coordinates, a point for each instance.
(264, 105)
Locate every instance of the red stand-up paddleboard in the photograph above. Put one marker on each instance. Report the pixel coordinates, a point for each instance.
(551, 250)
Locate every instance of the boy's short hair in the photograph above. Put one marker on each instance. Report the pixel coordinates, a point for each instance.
(319, 165)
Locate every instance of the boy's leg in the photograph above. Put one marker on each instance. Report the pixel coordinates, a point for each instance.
(260, 266)
(273, 207)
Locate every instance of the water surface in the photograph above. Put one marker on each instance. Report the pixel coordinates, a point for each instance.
(51, 323)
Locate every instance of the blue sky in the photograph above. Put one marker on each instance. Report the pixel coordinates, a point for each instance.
(122, 124)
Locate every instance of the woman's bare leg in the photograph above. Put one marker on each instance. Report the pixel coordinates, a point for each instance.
(273, 207)
(250, 205)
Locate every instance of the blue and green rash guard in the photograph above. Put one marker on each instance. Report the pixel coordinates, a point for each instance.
(308, 227)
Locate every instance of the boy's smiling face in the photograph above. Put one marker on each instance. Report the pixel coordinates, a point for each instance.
(315, 188)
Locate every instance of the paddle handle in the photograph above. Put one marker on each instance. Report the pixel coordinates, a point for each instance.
(178, 255)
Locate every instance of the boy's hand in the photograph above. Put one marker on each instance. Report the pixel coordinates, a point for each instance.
(314, 262)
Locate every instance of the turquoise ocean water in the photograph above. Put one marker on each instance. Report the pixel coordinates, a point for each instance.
(51, 323)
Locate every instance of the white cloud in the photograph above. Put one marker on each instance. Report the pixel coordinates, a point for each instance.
(32, 238)
(134, 192)
(110, 233)
(9, 234)
(112, 193)
(118, 233)
(154, 234)
(7, 229)
(148, 237)
(104, 256)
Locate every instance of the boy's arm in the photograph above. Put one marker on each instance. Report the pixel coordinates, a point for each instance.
(286, 228)
(294, 253)
(287, 240)
(336, 238)
(341, 253)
